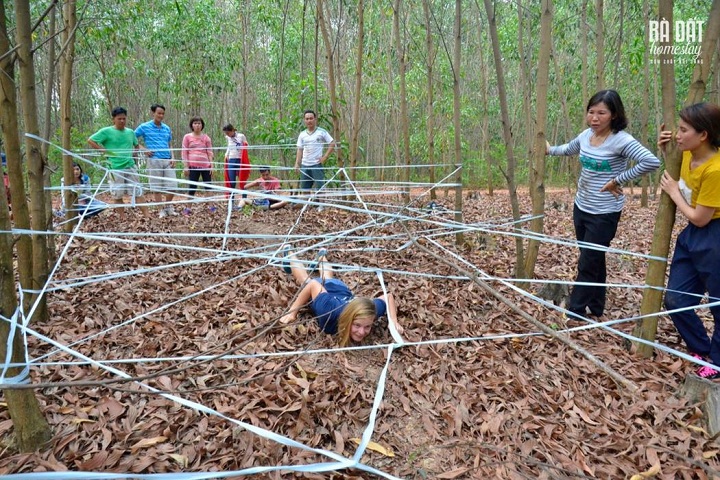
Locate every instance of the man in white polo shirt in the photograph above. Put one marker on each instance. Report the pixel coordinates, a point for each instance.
(311, 152)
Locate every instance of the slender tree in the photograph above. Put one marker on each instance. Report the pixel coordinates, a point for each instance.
(525, 138)
(430, 53)
(645, 108)
(485, 120)
(323, 21)
(357, 93)
(11, 139)
(35, 161)
(47, 126)
(401, 55)
(456, 118)
(31, 428)
(646, 328)
(537, 167)
(600, 44)
(507, 136)
(67, 60)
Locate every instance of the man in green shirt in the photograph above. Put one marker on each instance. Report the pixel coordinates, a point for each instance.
(119, 145)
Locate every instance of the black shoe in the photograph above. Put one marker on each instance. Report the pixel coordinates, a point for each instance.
(286, 263)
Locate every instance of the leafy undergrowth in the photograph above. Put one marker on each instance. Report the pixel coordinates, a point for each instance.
(509, 407)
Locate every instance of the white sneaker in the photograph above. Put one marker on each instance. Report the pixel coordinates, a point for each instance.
(163, 213)
(171, 211)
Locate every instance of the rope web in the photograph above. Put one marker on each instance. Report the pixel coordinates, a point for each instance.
(374, 225)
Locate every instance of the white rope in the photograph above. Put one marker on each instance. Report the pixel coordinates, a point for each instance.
(432, 226)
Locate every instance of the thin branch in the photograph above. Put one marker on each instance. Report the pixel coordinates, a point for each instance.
(617, 377)
(45, 14)
(266, 327)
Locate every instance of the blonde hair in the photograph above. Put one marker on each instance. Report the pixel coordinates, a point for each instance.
(358, 307)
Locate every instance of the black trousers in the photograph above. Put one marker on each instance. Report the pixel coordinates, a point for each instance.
(194, 175)
(599, 229)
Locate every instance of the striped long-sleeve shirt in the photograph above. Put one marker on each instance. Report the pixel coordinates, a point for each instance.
(603, 163)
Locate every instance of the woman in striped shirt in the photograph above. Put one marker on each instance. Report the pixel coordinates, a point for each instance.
(604, 150)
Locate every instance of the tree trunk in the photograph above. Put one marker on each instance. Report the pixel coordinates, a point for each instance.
(525, 136)
(31, 429)
(701, 72)
(316, 60)
(456, 120)
(67, 60)
(332, 82)
(47, 131)
(246, 41)
(403, 120)
(485, 122)
(429, 68)
(537, 167)
(646, 328)
(645, 109)
(574, 167)
(600, 41)
(11, 137)
(507, 136)
(355, 127)
(35, 161)
(302, 51)
(618, 49)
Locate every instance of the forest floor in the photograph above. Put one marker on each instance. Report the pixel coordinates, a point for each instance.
(510, 406)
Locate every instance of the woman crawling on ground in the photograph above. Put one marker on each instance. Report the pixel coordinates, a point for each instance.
(333, 304)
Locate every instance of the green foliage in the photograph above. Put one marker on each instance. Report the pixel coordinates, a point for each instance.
(254, 64)
(79, 142)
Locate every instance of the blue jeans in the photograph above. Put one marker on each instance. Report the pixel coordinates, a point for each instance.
(233, 171)
(599, 229)
(314, 174)
(695, 269)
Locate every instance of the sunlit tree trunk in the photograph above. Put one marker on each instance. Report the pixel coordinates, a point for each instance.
(537, 167)
(646, 328)
(507, 136)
